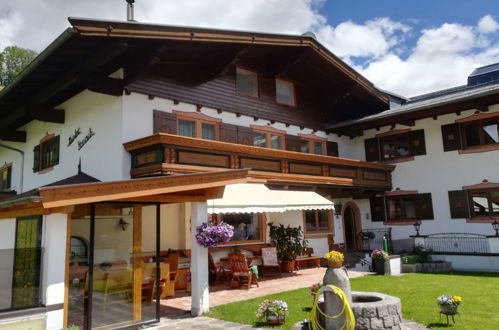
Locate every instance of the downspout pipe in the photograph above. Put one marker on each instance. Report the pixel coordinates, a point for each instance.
(22, 163)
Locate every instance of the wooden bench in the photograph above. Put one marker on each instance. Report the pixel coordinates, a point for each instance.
(309, 260)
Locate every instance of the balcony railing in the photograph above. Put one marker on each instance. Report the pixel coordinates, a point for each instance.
(163, 154)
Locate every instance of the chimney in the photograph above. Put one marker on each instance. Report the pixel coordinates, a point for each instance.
(129, 10)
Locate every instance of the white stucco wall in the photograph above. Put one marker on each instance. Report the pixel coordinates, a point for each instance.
(101, 156)
(53, 266)
(7, 244)
(437, 172)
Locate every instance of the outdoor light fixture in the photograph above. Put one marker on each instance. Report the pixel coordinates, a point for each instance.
(417, 226)
(495, 225)
(337, 209)
(123, 224)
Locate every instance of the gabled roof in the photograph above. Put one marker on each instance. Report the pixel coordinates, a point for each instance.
(427, 105)
(84, 56)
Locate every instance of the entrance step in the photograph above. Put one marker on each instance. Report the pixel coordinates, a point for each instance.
(358, 261)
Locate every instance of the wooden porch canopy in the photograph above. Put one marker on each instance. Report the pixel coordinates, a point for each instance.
(163, 154)
(167, 189)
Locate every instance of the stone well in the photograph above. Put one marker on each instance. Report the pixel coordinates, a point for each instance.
(374, 310)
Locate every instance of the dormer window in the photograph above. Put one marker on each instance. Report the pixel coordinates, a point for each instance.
(285, 92)
(246, 82)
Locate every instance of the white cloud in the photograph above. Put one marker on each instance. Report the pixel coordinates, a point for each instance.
(487, 24)
(441, 57)
(372, 39)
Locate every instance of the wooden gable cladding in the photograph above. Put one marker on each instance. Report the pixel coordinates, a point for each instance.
(191, 155)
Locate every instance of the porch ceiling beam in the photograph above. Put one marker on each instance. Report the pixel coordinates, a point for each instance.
(104, 85)
(133, 189)
(13, 136)
(167, 198)
(92, 64)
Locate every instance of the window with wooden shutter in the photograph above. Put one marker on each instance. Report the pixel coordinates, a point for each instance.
(458, 202)
(36, 158)
(228, 133)
(5, 177)
(292, 143)
(372, 149)
(451, 137)
(377, 208)
(424, 206)
(418, 145)
(332, 149)
(164, 122)
(245, 135)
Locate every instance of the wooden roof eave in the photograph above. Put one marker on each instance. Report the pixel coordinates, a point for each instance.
(152, 31)
(139, 188)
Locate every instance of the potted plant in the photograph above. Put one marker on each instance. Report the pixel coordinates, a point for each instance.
(210, 235)
(448, 304)
(289, 243)
(334, 259)
(274, 311)
(379, 257)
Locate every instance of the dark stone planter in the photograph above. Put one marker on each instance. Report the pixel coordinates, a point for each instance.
(380, 267)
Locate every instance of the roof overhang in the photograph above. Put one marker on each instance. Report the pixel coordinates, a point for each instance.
(168, 189)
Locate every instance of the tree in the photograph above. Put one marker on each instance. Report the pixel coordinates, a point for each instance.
(13, 60)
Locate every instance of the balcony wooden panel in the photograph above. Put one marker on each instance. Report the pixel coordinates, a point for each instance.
(178, 154)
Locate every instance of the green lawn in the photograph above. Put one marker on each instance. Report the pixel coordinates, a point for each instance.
(418, 292)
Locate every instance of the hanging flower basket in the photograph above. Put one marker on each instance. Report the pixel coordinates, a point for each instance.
(211, 236)
(334, 259)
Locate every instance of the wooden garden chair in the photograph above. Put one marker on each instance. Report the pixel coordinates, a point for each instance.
(241, 270)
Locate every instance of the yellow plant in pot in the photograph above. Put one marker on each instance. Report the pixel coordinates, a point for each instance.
(334, 258)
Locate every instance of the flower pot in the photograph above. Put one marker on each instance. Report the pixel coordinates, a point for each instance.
(275, 319)
(334, 264)
(287, 267)
(379, 266)
(449, 310)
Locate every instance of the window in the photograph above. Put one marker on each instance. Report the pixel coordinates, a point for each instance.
(247, 226)
(27, 256)
(268, 137)
(198, 125)
(5, 177)
(246, 82)
(46, 154)
(395, 145)
(485, 203)
(402, 207)
(317, 221)
(312, 147)
(478, 132)
(285, 92)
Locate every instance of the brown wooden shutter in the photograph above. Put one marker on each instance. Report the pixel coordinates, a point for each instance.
(228, 133)
(418, 142)
(293, 143)
(377, 208)
(245, 135)
(451, 137)
(372, 149)
(36, 158)
(164, 122)
(55, 143)
(458, 203)
(424, 206)
(332, 148)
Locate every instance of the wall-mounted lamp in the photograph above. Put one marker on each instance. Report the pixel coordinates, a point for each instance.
(495, 225)
(337, 209)
(417, 226)
(123, 224)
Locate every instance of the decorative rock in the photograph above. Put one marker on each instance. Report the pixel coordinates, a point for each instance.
(377, 324)
(388, 322)
(382, 310)
(375, 310)
(333, 305)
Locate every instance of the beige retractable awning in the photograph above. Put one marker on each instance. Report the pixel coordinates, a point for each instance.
(257, 198)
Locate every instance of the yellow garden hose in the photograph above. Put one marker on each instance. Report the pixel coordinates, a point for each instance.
(349, 317)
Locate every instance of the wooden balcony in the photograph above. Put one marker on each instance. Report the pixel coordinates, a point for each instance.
(164, 154)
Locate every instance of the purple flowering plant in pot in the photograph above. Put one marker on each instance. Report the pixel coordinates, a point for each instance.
(212, 235)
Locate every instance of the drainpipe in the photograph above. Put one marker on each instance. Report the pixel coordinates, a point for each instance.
(22, 163)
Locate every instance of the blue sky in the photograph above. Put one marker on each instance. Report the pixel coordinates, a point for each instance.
(406, 46)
